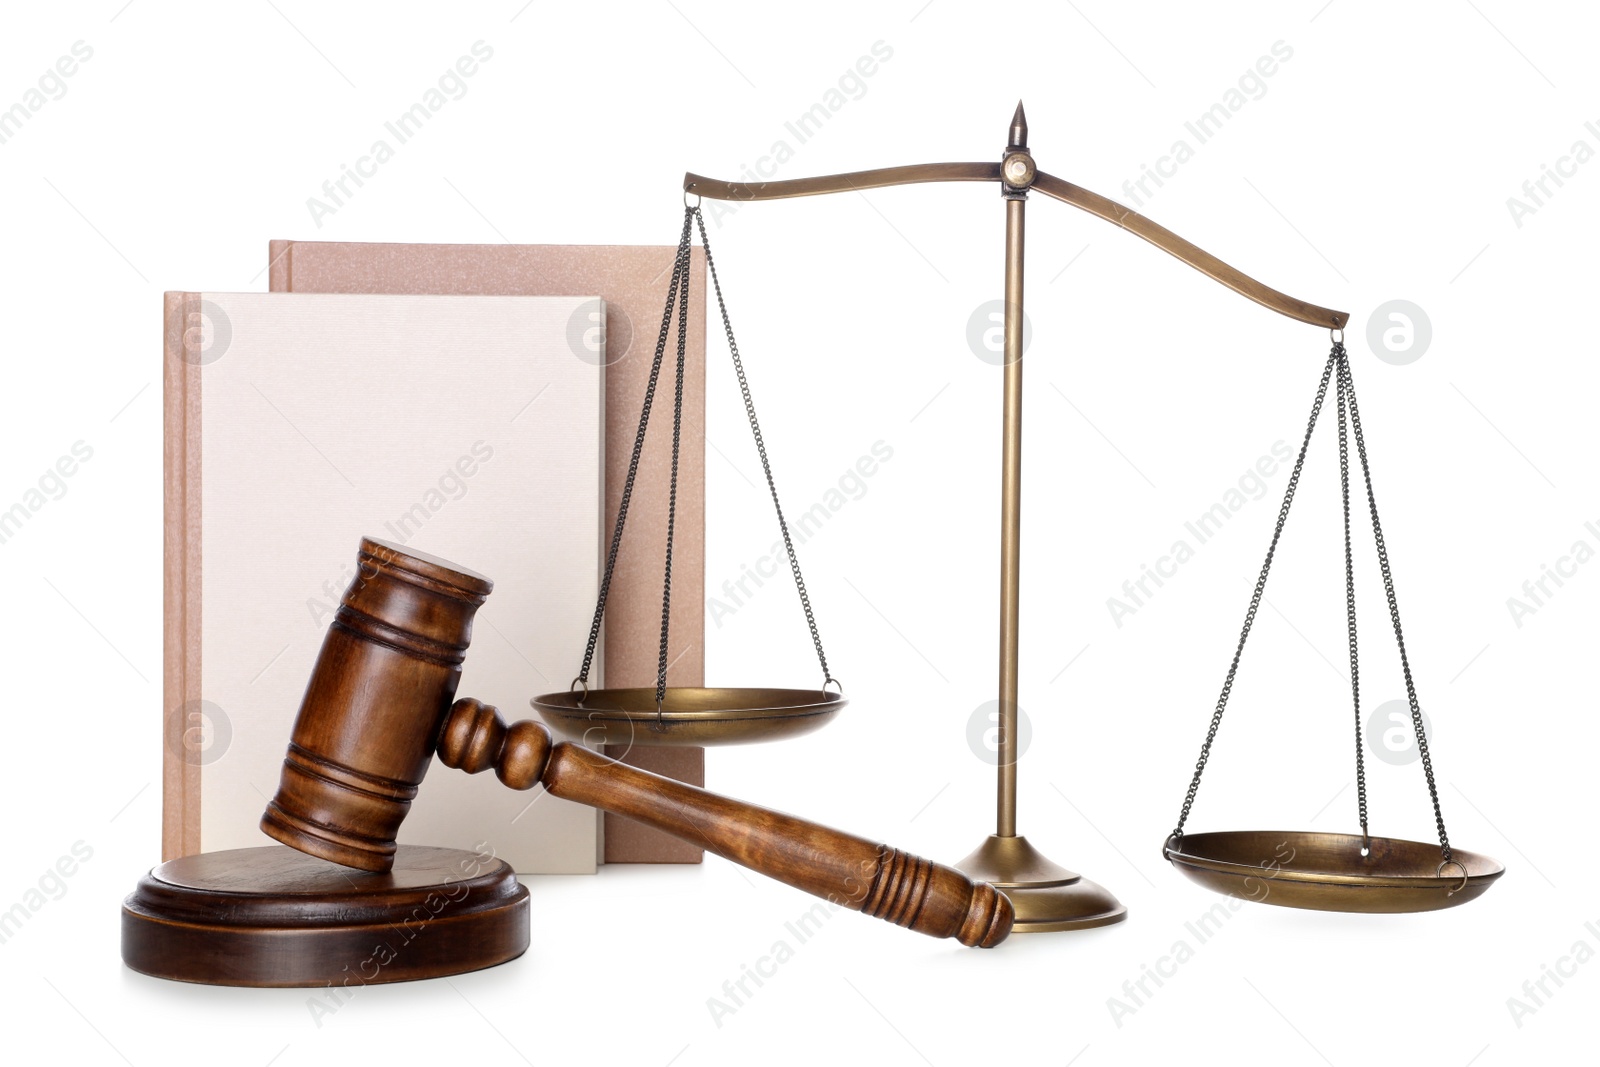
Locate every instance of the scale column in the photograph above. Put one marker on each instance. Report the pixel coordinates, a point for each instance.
(1046, 895)
(1011, 517)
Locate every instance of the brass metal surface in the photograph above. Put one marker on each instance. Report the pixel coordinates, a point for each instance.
(1047, 897)
(1196, 257)
(1064, 191)
(1327, 872)
(914, 174)
(1010, 522)
(689, 716)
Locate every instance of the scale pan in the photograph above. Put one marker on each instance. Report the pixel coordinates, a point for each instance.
(698, 717)
(1327, 872)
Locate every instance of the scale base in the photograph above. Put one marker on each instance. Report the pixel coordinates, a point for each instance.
(276, 917)
(1047, 896)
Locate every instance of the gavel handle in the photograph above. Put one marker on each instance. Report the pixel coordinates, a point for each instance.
(842, 868)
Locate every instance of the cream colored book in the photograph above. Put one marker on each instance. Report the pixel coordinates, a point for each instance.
(469, 427)
(631, 279)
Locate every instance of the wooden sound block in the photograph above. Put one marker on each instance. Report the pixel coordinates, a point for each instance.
(273, 916)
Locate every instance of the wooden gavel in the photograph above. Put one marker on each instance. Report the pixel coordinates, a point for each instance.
(378, 705)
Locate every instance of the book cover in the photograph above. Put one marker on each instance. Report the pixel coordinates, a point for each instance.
(632, 280)
(469, 427)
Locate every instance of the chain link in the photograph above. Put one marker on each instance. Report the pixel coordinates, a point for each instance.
(1255, 597)
(1350, 597)
(1338, 366)
(678, 297)
(1394, 612)
(761, 449)
(680, 273)
(672, 493)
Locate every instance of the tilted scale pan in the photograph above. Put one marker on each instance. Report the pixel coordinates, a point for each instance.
(682, 715)
(1332, 872)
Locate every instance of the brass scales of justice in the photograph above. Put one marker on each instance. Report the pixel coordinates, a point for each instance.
(1338, 872)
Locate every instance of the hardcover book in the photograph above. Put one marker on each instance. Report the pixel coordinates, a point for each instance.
(468, 427)
(632, 281)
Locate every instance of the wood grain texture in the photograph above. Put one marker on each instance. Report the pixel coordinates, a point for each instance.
(375, 714)
(275, 917)
(627, 841)
(385, 675)
(846, 870)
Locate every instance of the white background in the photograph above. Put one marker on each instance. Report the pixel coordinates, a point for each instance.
(1375, 166)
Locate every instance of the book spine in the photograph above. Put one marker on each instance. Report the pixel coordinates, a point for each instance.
(280, 263)
(180, 777)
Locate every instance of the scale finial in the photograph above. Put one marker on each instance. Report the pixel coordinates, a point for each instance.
(1019, 128)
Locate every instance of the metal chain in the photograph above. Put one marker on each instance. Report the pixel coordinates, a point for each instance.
(1348, 385)
(680, 273)
(1350, 598)
(1255, 597)
(672, 495)
(761, 448)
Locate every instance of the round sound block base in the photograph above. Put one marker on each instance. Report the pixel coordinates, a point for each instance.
(276, 917)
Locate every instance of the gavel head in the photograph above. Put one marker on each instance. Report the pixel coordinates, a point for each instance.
(383, 682)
